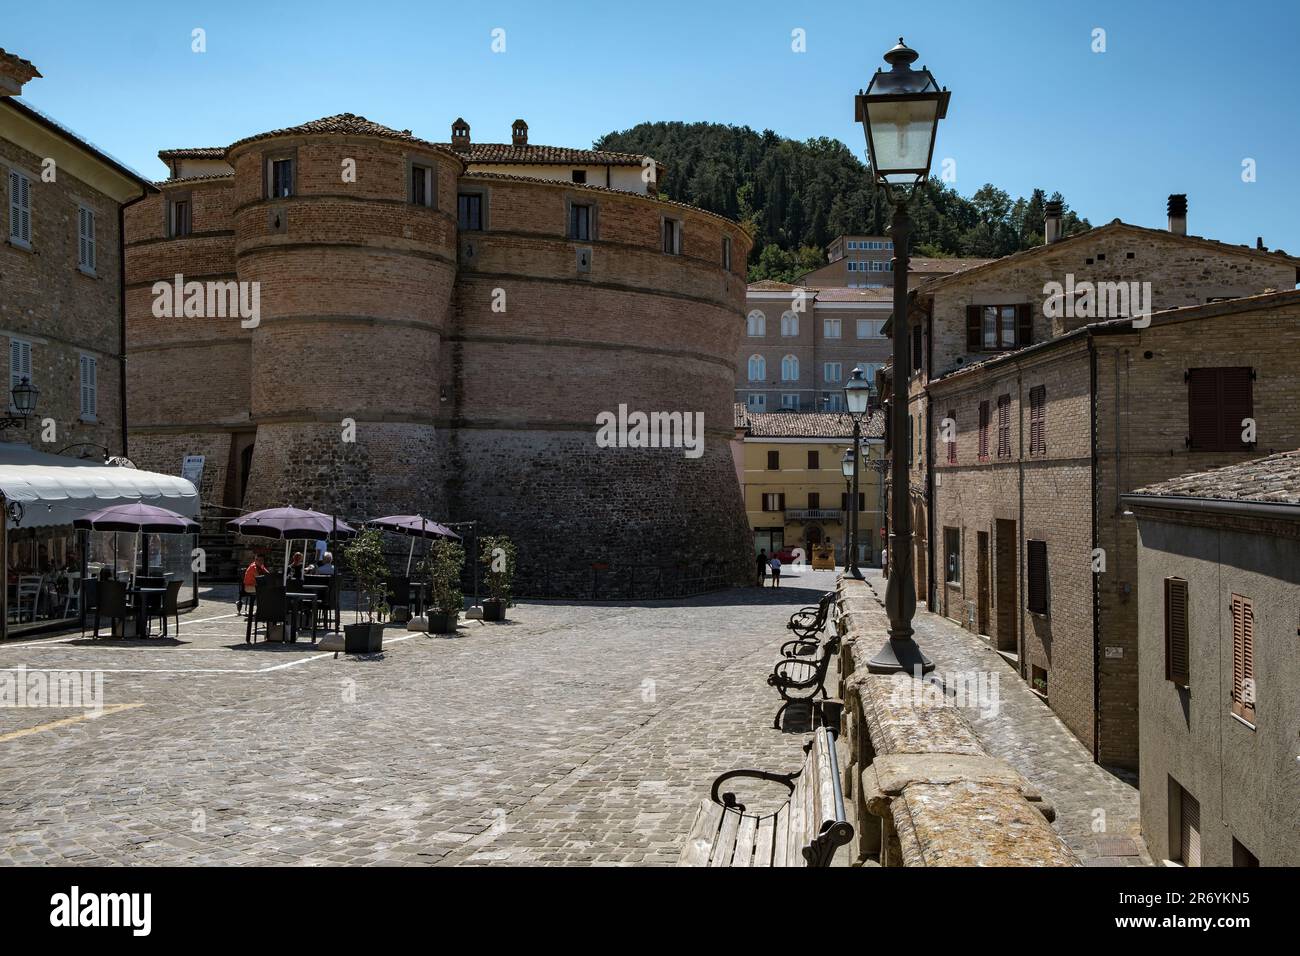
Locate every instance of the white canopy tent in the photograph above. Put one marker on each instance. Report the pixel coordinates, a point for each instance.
(52, 490)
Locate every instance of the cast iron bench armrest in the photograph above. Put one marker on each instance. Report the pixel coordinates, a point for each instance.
(799, 645)
(783, 778)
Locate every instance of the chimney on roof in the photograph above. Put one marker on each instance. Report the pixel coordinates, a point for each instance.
(519, 133)
(1051, 221)
(460, 134)
(1259, 244)
(14, 72)
(1178, 213)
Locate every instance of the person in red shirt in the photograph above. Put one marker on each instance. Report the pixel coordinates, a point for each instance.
(249, 588)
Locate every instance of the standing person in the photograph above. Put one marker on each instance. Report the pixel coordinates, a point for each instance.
(776, 571)
(248, 589)
(762, 567)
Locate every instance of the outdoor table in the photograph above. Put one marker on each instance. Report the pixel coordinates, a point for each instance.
(142, 598)
(418, 589)
(295, 598)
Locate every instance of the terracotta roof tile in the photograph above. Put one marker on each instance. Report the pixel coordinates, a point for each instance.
(830, 425)
(196, 152)
(855, 295)
(13, 63)
(1271, 480)
(741, 411)
(345, 124)
(508, 153)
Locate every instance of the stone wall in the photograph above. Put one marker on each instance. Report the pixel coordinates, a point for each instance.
(925, 790)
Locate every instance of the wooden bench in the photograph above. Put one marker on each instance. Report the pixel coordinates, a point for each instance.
(810, 620)
(799, 679)
(805, 831)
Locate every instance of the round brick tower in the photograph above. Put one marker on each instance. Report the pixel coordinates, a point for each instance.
(349, 231)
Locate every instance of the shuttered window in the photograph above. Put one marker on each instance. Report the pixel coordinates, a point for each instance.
(773, 461)
(952, 437)
(1243, 658)
(1189, 829)
(1218, 401)
(1177, 651)
(20, 362)
(1036, 552)
(993, 327)
(20, 208)
(1004, 426)
(1038, 420)
(774, 501)
(984, 431)
(86, 239)
(89, 387)
(917, 344)
(814, 461)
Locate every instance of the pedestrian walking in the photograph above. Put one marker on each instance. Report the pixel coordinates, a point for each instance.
(762, 567)
(776, 571)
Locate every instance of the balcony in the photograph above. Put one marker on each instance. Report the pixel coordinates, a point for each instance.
(812, 514)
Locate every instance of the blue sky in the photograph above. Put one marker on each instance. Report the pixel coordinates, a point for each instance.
(1183, 94)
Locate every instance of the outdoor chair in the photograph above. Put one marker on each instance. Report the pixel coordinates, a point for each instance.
(269, 609)
(111, 603)
(169, 607)
(89, 600)
(29, 596)
(399, 595)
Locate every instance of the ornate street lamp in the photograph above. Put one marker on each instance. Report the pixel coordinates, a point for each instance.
(846, 466)
(900, 113)
(23, 397)
(857, 400)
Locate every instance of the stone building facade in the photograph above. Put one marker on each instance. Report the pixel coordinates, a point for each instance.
(434, 336)
(1218, 598)
(979, 338)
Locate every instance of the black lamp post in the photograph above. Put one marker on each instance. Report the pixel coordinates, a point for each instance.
(23, 396)
(900, 112)
(846, 466)
(857, 400)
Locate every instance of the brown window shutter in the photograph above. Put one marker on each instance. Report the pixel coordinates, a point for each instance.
(984, 431)
(1243, 658)
(952, 442)
(814, 459)
(1236, 402)
(1024, 324)
(1177, 666)
(1189, 830)
(917, 345)
(814, 500)
(774, 461)
(1203, 430)
(780, 500)
(974, 333)
(1037, 555)
(1004, 426)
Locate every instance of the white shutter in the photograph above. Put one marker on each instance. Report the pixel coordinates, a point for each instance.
(20, 207)
(89, 386)
(86, 239)
(20, 364)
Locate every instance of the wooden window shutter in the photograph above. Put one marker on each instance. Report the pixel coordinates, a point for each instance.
(952, 441)
(917, 344)
(780, 500)
(984, 431)
(774, 460)
(1236, 402)
(1024, 324)
(1189, 830)
(1243, 658)
(1004, 426)
(1177, 665)
(1037, 590)
(974, 335)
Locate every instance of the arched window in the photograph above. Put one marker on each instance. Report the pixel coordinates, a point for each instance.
(757, 368)
(789, 323)
(789, 369)
(757, 324)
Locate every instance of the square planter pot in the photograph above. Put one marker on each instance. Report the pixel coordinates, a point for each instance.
(442, 623)
(494, 609)
(363, 638)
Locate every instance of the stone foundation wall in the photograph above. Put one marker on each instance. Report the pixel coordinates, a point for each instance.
(925, 790)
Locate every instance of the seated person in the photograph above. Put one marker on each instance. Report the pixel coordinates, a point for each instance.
(326, 565)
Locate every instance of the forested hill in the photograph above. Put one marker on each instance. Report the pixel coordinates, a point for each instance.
(797, 196)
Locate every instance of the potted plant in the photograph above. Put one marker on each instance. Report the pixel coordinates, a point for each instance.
(497, 554)
(365, 558)
(446, 601)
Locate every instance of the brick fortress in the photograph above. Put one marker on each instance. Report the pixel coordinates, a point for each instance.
(472, 308)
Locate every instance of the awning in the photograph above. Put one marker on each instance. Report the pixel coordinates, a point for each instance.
(54, 489)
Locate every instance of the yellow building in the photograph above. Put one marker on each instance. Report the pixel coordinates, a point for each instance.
(795, 491)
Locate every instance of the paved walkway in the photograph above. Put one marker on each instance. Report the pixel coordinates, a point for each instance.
(574, 734)
(1097, 810)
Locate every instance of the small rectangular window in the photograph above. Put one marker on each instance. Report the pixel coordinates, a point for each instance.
(774, 501)
(20, 209)
(85, 239)
(281, 178)
(952, 555)
(1219, 400)
(672, 237)
(179, 220)
(1036, 555)
(814, 460)
(814, 500)
(421, 185)
(831, 328)
(833, 371)
(580, 222)
(1177, 651)
(773, 461)
(726, 253)
(89, 387)
(579, 175)
(469, 212)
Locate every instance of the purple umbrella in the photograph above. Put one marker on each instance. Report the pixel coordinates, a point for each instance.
(414, 526)
(290, 523)
(137, 518)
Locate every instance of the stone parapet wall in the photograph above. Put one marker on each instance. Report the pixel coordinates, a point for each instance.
(926, 791)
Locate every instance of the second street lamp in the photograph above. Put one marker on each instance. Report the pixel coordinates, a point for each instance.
(900, 113)
(857, 399)
(846, 466)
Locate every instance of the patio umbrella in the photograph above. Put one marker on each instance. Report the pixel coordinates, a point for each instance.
(290, 523)
(136, 518)
(413, 526)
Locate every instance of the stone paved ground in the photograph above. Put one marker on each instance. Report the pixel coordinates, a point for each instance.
(1026, 733)
(574, 734)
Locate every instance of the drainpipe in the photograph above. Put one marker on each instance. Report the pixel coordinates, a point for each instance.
(121, 298)
(1096, 580)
